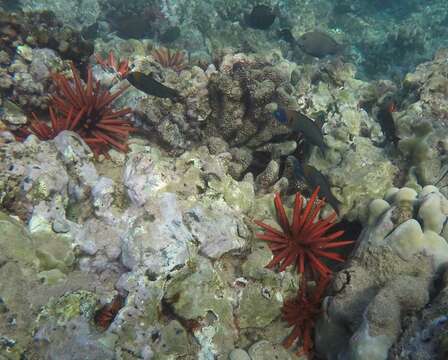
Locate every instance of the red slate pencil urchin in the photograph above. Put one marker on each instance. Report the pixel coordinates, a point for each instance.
(112, 64)
(89, 109)
(301, 313)
(304, 242)
(40, 128)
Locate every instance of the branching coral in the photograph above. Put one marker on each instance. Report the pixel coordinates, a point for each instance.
(169, 59)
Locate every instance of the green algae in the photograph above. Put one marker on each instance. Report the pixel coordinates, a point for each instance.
(69, 306)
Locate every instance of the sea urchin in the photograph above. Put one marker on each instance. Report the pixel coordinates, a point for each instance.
(88, 109)
(301, 313)
(306, 241)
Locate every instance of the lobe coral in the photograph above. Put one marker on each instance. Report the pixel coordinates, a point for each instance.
(305, 243)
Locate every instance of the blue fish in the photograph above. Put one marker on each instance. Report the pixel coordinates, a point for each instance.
(280, 115)
(299, 122)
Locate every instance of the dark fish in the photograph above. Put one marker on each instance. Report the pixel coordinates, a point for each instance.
(131, 27)
(150, 86)
(170, 34)
(386, 120)
(104, 316)
(314, 178)
(261, 17)
(299, 122)
(90, 32)
(286, 35)
(319, 44)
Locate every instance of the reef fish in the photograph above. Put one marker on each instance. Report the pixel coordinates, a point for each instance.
(286, 35)
(319, 44)
(150, 86)
(299, 122)
(261, 17)
(170, 35)
(386, 120)
(314, 178)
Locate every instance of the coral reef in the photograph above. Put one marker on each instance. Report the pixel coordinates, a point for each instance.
(32, 45)
(42, 29)
(389, 277)
(151, 251)
(77, 14)
(421, 124)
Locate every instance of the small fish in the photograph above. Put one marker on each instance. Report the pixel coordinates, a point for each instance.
(286, 35)
(261, 17)
(170, 35)
(299, 122)
(104, 316)
(314, 178)
(150, 86)
(386, 120)
(319, 44)
(90, 32)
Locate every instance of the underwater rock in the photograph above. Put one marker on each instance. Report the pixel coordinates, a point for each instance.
(144, 174)
(31, 173)
(100, 239)
(265, 350)
(422, 123)
(351, 134)
(35, 171)
(239, 354)
(198, 294)
(259, 306)
(142, 247)
(16, 243)
(12, 115)
(230, 233)
(63, 328)
(388, 277)
(75, 339)
(41, 29)
(425, 336)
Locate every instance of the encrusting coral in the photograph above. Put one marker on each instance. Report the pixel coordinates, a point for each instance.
(302, 243)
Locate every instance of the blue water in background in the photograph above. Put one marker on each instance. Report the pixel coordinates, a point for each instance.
(384, 39)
